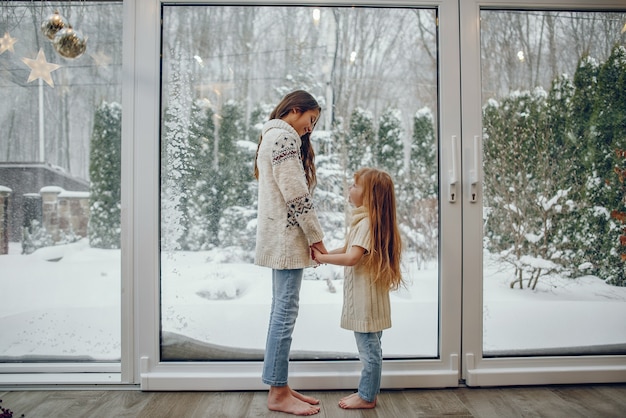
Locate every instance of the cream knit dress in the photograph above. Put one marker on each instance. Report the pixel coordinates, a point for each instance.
(287, 223)
(366, 307)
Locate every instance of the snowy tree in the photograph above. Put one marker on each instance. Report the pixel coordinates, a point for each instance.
(105, 174)
(329, 196)
(524, 196)
(234, 179)
(422, 170)
(418, 208)
(234, 162)
(611, 133)
(199, 180)
(597, 127)
(389, 148)
(360, 140)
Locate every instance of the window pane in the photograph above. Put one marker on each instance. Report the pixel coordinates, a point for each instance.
(553, 118)
(60, 181)
(224, 68)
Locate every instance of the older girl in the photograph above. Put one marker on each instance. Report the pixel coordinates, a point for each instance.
(287, 228)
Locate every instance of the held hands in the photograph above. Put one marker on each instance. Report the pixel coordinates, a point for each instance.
(316, 250)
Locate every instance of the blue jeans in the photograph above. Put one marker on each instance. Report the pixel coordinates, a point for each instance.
(371, 356)
(285, 302)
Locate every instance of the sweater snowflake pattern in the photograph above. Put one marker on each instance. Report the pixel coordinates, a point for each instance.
(287, 223)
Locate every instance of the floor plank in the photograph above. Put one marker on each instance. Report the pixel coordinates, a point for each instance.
(567, 401)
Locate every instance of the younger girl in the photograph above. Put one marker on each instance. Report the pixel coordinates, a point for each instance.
(371, 258)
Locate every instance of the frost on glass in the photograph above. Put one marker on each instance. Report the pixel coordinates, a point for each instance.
(373, 72)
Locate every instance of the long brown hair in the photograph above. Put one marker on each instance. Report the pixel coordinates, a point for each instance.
(383, 262)
(301, 101)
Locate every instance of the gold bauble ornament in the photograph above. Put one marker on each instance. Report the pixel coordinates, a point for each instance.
(53, 24)
(70, 43)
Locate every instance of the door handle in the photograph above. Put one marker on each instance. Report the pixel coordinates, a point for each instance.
(452, 173)
(473, 173)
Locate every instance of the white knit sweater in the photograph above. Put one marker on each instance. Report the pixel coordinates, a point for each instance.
(366, 307)
(287, 223)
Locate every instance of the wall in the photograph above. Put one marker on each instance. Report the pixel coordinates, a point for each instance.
(28, 179)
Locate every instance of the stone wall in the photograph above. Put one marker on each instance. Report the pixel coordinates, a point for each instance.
(25, 181)
(63, 214)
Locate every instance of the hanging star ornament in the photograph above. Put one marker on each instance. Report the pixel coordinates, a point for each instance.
(40, 68)
(6, 43)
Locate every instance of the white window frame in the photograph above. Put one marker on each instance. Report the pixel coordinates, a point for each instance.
(477, 370)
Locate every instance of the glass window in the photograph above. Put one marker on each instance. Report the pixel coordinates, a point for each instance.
(374, 72)
(554, 159)
(60, 112)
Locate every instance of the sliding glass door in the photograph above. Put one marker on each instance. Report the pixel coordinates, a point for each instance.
(377, 73)
(546, 192)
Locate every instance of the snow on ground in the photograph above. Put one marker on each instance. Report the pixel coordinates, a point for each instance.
(71, 307)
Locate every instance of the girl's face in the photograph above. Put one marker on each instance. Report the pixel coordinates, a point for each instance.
(355, 194)
(302, 122)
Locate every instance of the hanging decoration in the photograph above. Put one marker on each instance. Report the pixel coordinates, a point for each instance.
(70, 43)
(40, 68)
(6, 43)
(53, 23)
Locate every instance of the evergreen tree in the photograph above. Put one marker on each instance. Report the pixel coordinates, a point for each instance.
(597, 125)
(610, 111)
(588, 225)
(583, 104)
(422, 172)
(389, 149)
(234, 180)
(200, 178)
(235, 166)
(105, 177)
(360, 140)
(258, 116)
(418, 208)
(330, 203)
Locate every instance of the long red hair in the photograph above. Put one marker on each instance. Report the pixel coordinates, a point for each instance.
(383, 261)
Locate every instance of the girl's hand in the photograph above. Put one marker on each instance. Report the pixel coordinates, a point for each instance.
(315, 253)
(319, 246)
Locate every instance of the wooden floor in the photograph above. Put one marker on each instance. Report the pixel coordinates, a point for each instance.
(588, 401)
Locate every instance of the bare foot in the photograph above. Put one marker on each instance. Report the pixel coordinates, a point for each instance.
(354, 401)
(283, 399)
(307, 399)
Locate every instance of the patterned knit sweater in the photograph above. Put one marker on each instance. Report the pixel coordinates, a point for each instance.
(287, 223)
(366, 307)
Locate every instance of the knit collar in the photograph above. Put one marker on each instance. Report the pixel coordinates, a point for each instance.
(280, 124)
(358, 214)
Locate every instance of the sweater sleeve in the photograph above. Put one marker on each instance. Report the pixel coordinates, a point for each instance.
(360, 235)
(291, 180)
